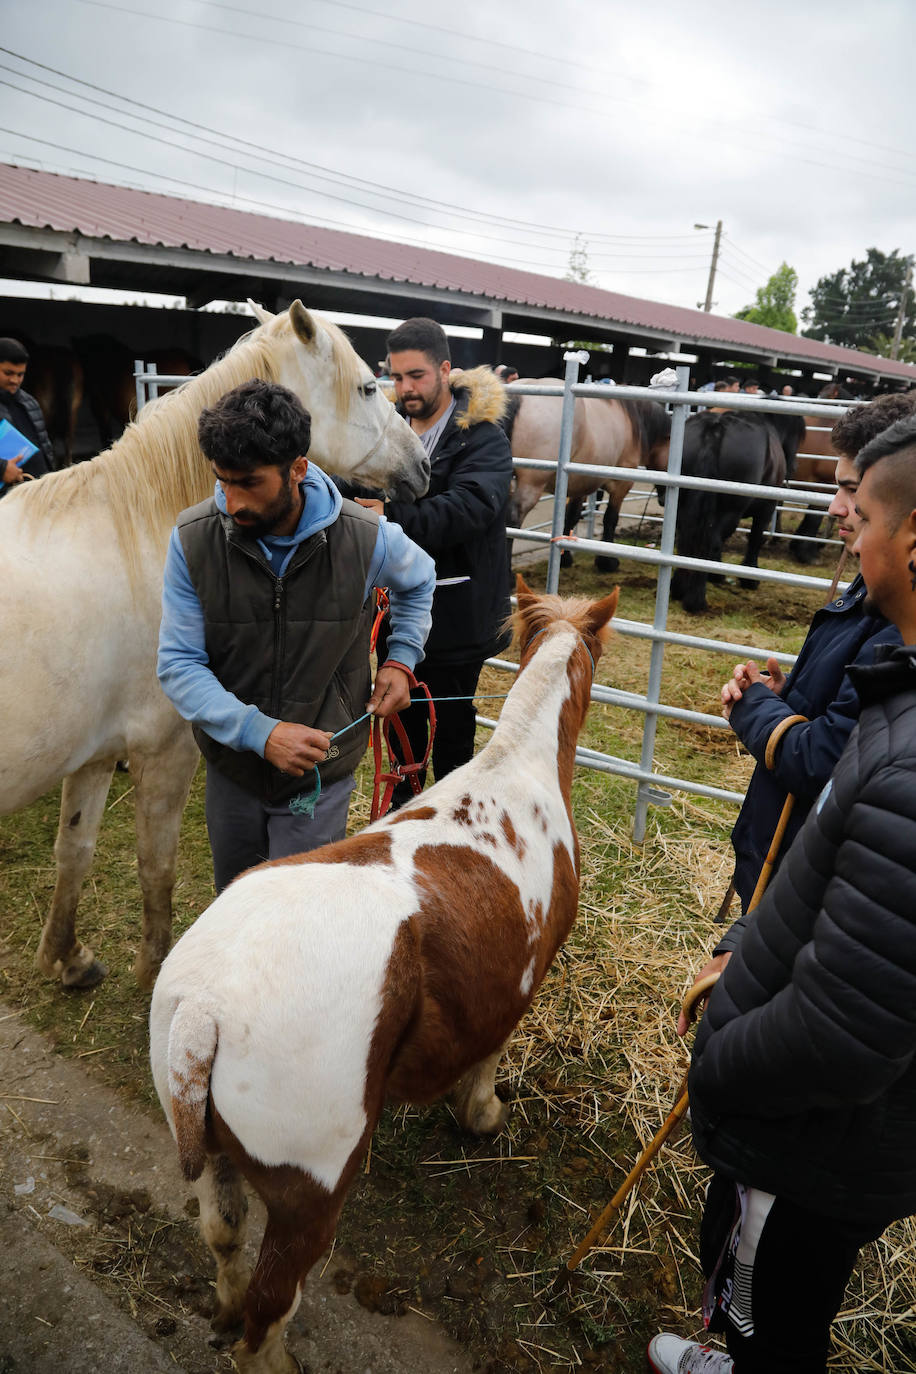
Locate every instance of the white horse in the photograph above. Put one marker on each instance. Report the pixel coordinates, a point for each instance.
(81, 563)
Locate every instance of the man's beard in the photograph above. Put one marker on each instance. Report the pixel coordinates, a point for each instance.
(267, 521)
(427, 408)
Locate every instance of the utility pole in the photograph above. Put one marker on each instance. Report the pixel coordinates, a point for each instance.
(712, 266)
(901, 313)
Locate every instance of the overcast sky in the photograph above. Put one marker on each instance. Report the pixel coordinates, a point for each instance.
(499, 130)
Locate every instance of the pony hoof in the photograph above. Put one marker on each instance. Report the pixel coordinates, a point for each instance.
(489, 1120)
(227, 1321)
(146, 968)
(79, 979)
(606, 563)
(566, 559)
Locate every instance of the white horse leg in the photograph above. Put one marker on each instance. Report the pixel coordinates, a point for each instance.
(223, 1212)
(60, 954)
(163, 781)
(474, 1097)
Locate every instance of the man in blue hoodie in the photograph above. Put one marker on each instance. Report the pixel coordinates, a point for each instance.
(266, 616)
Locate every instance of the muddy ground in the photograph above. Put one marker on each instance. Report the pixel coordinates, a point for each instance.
(101, 1268)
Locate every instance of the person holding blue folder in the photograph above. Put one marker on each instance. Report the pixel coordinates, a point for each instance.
(25, 428)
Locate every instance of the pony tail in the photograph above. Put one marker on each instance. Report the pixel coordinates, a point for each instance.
(193, 1036)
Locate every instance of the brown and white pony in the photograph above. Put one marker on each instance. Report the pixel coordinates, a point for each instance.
(611, 433)
(394, 964)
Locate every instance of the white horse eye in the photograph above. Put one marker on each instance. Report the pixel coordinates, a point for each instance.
(369, 389)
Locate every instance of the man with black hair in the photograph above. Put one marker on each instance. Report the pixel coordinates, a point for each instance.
(24, 413)
(803, 1076)
(461, 522)
(266, 616)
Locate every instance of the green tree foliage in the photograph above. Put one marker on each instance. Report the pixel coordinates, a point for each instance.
(578, 269)
(861, 301)
(883, 345)
(775, 303)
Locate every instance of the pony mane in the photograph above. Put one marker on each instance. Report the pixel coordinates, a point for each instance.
(549, 610)
(156, 469)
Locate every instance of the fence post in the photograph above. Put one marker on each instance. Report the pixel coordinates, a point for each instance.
(573, 361)
(139, 369)
(645, 792)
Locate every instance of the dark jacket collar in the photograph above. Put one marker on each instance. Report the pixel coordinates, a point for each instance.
(893, 671)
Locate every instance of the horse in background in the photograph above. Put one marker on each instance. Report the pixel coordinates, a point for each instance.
(725, 446)
(612, 433)
(817, 465)
(82, 554)
(394, 964)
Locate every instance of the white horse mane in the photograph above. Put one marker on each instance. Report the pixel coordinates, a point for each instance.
(156, 469)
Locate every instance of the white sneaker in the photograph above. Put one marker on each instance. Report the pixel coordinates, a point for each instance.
(671, 1355)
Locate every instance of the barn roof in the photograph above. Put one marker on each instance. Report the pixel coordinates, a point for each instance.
(66, 228)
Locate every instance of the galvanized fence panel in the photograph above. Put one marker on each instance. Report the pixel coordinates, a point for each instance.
(654, 787)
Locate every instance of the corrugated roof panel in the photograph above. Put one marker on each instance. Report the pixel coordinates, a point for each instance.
(45, 200)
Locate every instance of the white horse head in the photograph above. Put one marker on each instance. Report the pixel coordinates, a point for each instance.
(356, 431)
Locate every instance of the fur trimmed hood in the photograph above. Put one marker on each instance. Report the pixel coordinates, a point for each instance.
(486, 394)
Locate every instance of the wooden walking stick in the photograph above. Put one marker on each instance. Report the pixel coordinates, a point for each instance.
(690, 1006)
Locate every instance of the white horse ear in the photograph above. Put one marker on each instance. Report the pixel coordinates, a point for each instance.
(261, 315)
(302, 322)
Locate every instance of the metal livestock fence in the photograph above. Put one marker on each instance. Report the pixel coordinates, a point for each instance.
(652, 787)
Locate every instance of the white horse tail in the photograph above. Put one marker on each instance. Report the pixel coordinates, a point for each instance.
(193, 1035)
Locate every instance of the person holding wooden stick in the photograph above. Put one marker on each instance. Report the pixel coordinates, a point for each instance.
(803, 1075)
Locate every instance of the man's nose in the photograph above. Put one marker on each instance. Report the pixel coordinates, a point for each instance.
(234, 499)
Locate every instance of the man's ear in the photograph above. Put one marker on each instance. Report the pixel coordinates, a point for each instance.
(299, 468)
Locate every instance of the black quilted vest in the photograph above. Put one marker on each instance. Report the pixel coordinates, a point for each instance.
(295, 646)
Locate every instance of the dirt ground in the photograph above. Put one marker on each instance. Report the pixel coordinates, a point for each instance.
(101, 1268)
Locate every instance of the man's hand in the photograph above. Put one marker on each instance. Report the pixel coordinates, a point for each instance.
(715, 965)
(391, 692)
(295, 749)
(12, 473)
(377, 506)
(744, 675)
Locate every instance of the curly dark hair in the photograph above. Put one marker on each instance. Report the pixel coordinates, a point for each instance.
(257, 424)
(863, 423)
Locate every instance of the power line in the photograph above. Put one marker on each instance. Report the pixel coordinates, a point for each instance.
(344, 179)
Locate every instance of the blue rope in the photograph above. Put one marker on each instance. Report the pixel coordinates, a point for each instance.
(304, 803)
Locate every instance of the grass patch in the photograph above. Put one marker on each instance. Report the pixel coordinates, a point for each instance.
(473, 1232)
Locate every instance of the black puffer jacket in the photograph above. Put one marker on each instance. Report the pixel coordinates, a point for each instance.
(24, 413)
(461, 522)
(803, 1081)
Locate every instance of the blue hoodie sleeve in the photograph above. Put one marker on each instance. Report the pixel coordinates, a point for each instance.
(410, 576)
(183, 665)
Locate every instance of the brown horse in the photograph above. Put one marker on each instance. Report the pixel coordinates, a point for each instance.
(817, 465)
(609, 433)
(110, 387)
(55, 378)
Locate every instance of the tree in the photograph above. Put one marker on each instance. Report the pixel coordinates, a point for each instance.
(854, 304)
(578, 269)
(775, 303)
(883, 345)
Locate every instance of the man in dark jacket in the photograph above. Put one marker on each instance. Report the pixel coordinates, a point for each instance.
(461, 522)
(24, 413)
(803, 1078)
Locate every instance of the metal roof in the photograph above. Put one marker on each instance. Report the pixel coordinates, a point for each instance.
(92, 214)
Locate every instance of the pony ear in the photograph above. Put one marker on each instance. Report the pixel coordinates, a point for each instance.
(302, 322)
(599, 614)
(261, 315)
(523, 593)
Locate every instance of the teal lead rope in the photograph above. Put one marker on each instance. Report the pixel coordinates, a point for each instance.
(304, 803)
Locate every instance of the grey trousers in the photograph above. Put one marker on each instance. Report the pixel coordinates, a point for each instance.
(244, 831)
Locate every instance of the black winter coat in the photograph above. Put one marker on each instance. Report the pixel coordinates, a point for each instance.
(461, 523)
(803, 1080)
(819, 687)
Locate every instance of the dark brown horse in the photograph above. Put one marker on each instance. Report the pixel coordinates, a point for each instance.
(817, 465)
(724, 446)
(608, 433)
(109, 371)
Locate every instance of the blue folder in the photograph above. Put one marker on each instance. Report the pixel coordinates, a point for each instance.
(14, 444)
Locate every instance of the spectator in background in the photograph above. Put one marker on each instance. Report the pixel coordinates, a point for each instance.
(732, 383)
(24, 413)
(752, 387)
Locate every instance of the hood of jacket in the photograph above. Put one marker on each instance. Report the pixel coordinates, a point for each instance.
(479, 394)
(321, 507)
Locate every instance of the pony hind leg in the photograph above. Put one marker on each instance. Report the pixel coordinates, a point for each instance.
(223, 1212)
(60, 954)
(474, 1097)
(162, 782)
(301, 1220)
